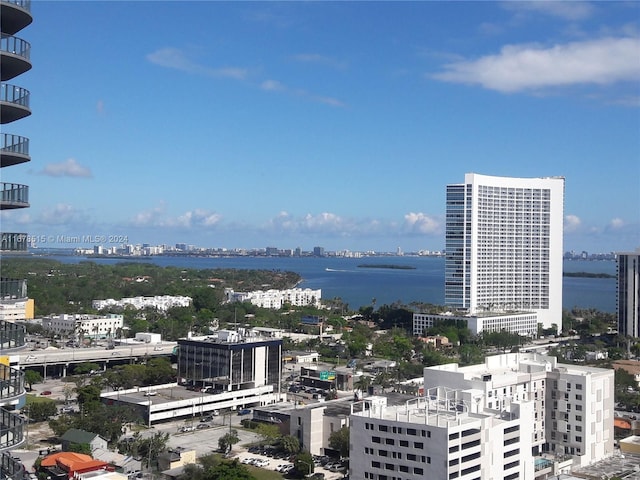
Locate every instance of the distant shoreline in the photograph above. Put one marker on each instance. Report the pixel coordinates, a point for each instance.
(391, 266)
(588, 275)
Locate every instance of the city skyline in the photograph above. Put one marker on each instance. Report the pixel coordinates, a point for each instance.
(243, 125)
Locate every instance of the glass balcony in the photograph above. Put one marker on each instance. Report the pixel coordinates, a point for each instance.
(12, 336)
(12, 288)
(13, 195)
(11, 430)
(13, 242)
(14, 53)
(11, 383)
(14, 103)
(11, 468)
(14, 150)
(15, 15)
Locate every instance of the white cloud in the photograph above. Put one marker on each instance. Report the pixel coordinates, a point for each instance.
(571, 223)
(616, 223)
(525, 67)
(566, 10)
(68, 168)
(177, 59)
(272, 86)
(62, 214)
(421, 223)
(159, 217)
(319, 59)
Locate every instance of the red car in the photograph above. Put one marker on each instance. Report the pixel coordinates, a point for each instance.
(46, 392)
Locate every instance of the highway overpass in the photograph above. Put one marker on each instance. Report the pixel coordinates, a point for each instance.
(53, 362)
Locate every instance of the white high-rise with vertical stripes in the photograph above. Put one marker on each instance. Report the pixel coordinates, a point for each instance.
(504, 240)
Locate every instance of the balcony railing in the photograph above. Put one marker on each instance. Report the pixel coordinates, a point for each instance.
(11, 335)
(14, 95)
(14, 103)
(13, 242)
(11, 468)
(15, 15)
(16, 53)
(11, 383)
(12, 288)
(13, 195)
(11, 430)
(14, 149)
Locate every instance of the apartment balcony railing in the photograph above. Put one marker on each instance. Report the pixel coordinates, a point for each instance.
(14, 150)
(11, 430)
(14, 55)
(12, 288)
(11, 383)
(15, 15)
(12, 336)
(11, 468)
(13, 242)
(14, 103)
(13, 195)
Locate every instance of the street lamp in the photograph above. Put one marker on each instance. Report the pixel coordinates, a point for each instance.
(310, 465)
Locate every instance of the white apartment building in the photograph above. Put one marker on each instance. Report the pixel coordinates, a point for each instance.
(504, 246)
(523, 323)
(160, 302)
(628, 304)
(276, 299)
(518, 415)
(87, 326)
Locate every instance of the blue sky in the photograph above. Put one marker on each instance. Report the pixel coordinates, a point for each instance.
(336, 124)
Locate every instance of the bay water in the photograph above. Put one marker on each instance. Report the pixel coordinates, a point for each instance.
(360, 287)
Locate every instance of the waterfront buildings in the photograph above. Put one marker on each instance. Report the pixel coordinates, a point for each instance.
(159, 302)
(628, 301)
(276, 299)
(504, 246)
(15, 15)
(517, 416)
(83, 325)
(522, 323)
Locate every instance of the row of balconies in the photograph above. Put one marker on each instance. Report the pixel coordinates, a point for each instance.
(15, 54)
(13, 195)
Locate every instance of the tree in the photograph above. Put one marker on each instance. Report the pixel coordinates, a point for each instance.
(233, 470)
(228, 440)
(339, 441)
(31, 377)
(42, 409)
(268, 432)
(304, 463)
(290, 444)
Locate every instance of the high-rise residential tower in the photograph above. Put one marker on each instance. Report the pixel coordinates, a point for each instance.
(504, 246)
(15, 15)
(628, 305)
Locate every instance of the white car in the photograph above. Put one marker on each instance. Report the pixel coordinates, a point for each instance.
(261, 462)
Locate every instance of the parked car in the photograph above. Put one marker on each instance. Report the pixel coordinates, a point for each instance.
(203, 426)
(244, 411)
(206, 418)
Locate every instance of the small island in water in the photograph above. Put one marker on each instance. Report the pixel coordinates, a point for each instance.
(394, 267)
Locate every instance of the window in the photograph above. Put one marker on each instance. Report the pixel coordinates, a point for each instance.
(403, 468)
(455, 448)
(473, 456)
(419, 445)
(375, 439)
(411, 456)
(578, 438)
(511, 465)
(389, 441)
(426, 433)
(382, 453)
(389, 466)
(412, 431)
(404, 443)
(453, 462)
(375, 464)
(418, 471)
(453, 436)
(382, 428)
